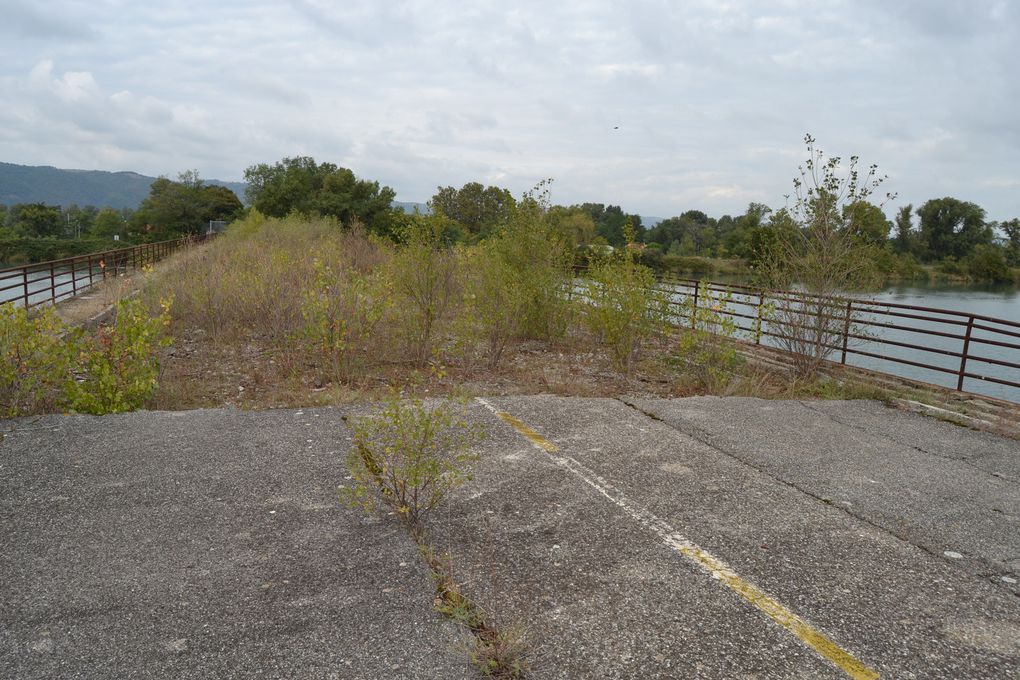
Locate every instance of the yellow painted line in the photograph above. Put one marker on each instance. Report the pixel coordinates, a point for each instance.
(715, 567)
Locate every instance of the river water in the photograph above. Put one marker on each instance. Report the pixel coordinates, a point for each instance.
(1002, 302)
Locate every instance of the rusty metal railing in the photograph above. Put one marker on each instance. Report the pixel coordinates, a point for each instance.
(947, 342)
(48, 282)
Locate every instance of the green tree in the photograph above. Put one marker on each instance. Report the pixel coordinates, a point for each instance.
(825, 252)
(610, 222)
(906, 240)
(576, 225)
(301, 185)
(182, 207)
(1011, 228)
(739, 240)
(988, 263)
(37, 220)
(867, 221)
(109, 223)
(479, 210)
(80, 220)
(952, 228)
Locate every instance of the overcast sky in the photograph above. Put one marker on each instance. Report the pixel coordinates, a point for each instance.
(657, 106)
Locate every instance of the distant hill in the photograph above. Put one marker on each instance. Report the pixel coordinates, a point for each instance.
(54, 186)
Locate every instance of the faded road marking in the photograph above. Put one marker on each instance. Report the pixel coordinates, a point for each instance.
(715, 567)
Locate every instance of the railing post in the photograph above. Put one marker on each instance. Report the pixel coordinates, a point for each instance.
(963, 357)
(24, 278)
(74, 279)
(90, 269)
(757, 320)
(53, 285)
(694, 309)
(846, 331)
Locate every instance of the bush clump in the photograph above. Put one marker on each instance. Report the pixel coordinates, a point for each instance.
(409, 456)
(47, 366)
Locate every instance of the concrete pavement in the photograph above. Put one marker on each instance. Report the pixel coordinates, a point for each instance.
(692, 538)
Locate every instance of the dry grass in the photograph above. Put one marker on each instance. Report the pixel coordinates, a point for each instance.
(238, 325)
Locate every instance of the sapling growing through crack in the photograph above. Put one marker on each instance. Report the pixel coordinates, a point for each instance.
(409, 455)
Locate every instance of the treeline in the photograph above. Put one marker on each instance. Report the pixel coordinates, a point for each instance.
(32, 232)
(953, 237)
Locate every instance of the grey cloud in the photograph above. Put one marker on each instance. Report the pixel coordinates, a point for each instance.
(712, 99)
(25, 20)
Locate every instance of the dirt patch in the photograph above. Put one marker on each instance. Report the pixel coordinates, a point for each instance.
(251, 373)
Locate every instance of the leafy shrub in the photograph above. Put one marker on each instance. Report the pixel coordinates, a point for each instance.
(688, 264)
(424, 277)
(539, 258)
(624, 308)
(341, 309)
(409, 456)
(988, 263)
(494, 299)
(119, 364)
(707, 348)
(35, 361)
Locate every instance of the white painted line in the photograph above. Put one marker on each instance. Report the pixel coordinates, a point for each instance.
(714, 566)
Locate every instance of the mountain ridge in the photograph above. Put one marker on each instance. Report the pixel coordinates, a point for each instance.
(101, 188)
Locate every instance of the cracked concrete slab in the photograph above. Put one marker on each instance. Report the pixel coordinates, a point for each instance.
(212, 544)
(606, 598)
(206, 544)
(944, 488)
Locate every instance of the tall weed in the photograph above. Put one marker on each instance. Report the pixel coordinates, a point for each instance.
(35, 361)
(423, 272)
(341, 309)
(624, 309)
(409, 456)
(708, 349)
(119, 364)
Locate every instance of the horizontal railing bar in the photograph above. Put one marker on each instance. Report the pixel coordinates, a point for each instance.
(989, 360)
(898, 360)
(987, 378)
(906, 345)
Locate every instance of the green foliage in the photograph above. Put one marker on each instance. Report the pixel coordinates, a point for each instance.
(988, 263)
(707, 348)
(119, 364)
(478, 210)
(300, 185)
(906, 241)
(514, 280)
(495, 298)
(409, 456)
(37, 220)
(44, 365)
(611, 221)
(1011, 228)
(540, 257)
(952, 228)
(30, 250)
(182, 207)
(35, 361)
(866, 221)
(109, 223)
(624, 308)
(826, 251)
(898, 265)
(692, 233)
(423, 273)
(574, 225)
(341, 308)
